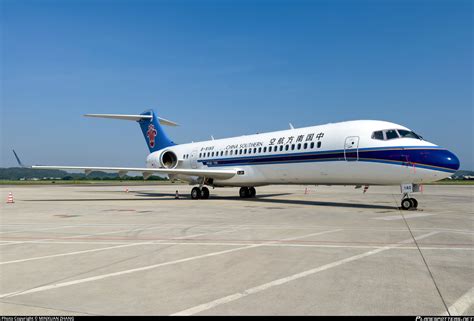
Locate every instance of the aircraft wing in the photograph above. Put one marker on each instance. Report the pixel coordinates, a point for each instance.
(147, 172)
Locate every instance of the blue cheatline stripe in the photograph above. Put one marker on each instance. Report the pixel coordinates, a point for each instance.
(395, 148)
(435, 168)
(429, 157)
(325, 152)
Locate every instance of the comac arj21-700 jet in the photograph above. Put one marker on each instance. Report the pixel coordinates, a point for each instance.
(360, 153)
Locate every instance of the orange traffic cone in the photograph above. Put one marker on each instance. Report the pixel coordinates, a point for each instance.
(10, 198)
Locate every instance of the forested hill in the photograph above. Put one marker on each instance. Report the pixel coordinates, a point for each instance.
(17, 173)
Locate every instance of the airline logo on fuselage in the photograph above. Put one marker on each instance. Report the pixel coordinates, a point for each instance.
(151, 133)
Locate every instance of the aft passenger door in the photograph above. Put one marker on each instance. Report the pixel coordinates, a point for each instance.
(351, 148)
(194, 157)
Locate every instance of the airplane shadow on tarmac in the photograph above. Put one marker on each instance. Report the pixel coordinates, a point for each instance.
(265, 198)
(261, 198)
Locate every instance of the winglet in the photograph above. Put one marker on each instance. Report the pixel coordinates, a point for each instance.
(18, 159)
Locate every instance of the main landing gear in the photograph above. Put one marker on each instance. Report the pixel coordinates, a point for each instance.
(203, 192)
(409, 203)
(200, 193)
(247, 192)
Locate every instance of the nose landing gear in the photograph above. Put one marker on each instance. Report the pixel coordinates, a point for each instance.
(409, 203)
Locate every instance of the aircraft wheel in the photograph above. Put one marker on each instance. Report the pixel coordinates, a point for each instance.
(205, 193)
(252, 192)
(414, 203)
(244, 192)
(195, 193)
(406, 204)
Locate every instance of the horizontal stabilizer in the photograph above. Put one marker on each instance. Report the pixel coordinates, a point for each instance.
(208, 173)
(162, 121)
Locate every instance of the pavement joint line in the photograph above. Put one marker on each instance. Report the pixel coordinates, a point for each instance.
(402, 215)
(462, 304)
(112, 247)
(248, 241)
(37, 230)
(83, 235)
(46, 308)
(68, 237)
(242, 244)
(145, 268)
(266, 286)
(269, 227)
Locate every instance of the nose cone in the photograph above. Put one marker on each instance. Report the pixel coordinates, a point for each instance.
(437, 159)
(452, 161)
(447, 159)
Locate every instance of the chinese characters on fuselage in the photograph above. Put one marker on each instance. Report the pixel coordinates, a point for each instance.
(297, 139)
(273, 141)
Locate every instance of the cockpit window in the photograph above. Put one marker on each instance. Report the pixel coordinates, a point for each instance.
(388, 134)
(408, 134)
(378, 135)
(391, 134)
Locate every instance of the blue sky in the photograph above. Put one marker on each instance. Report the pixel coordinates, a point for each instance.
(227, 68)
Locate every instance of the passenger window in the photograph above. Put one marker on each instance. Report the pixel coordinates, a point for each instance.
(287, 147)
(312, 145)
(305, 146)
(254, 150)
(281, 148)
(319, 144)
(391, 134)
(299, 146)
(264, 149)
(240, 152)
(293, 147)
(378, 135)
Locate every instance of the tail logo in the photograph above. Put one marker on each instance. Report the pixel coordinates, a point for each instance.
(151, 133)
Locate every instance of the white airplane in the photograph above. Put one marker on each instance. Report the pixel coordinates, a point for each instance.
(360, 152)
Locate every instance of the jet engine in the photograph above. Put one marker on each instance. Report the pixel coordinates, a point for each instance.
(169, 159)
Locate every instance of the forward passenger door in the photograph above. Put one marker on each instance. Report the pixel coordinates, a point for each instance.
(351, 148)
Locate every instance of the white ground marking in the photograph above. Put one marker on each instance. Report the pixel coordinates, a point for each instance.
(399, 217)
(462, 304)
(149, 267)
(113, 247)
(266, 286)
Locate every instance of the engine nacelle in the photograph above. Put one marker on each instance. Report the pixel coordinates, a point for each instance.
(169, 159)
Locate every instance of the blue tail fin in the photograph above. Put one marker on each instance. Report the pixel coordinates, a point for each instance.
(153, 132)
